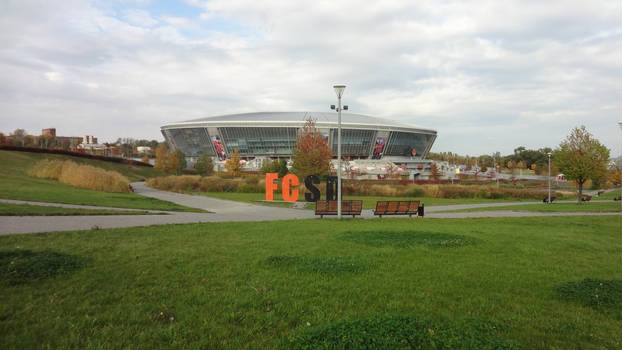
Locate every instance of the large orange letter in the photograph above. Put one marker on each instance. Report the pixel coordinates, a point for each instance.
(270, 185)
(290, 180)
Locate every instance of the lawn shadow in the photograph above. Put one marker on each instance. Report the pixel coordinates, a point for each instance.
(25, 266)
(405, 239)
(403, 332)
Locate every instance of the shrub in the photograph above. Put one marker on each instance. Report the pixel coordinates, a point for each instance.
(83, 176)
(207, 184)
(415, 192)
(175, 183)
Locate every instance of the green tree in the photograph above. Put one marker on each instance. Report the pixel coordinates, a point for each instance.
(581, 157)
(281, 167)
(181, 162)
(311, 155)
(204, 165)
(233, 164)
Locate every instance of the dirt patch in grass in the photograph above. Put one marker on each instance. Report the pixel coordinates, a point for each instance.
(403, 239)
(24, 266)
(323, 265)
(403, 332)
(602, 295)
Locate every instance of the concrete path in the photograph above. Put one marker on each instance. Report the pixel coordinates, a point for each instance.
(72, 206)
(221, 211)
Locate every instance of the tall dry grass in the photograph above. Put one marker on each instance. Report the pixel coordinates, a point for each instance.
(195, 183)
(440, 191)
(83, 176)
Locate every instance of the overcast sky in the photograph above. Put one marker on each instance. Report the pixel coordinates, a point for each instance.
(487, 75)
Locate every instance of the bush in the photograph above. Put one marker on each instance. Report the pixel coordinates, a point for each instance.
(83, 176)
(415, 192)
(196, 183)
(363, 188)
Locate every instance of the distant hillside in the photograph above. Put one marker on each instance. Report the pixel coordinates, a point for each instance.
(16, 163)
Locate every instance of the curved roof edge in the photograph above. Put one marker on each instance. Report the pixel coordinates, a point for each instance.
(296, 119)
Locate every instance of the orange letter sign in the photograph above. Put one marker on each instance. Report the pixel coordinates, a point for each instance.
(290, 180)
(270, 185)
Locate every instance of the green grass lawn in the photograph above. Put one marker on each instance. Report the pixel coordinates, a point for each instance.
(555, 207)
(16, 184)
(609, 195)
(369, 202)
(531, 282)
(9, 209)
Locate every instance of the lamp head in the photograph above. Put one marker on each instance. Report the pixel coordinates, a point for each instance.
(339, 90)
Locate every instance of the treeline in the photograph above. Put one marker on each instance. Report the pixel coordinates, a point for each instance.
(522, 158)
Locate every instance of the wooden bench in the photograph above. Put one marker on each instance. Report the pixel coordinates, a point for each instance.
(546, 199)
(409, 208)
(617, 198)
(349, 207)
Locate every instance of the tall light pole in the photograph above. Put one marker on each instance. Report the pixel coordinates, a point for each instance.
(549, 154)
(339, 91)
(620, 123)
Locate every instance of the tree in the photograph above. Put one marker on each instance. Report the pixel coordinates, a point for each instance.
(275, 166)
(581, 157)
(311, 155)
(435, 173)
(172, 162)
(161, 156)
(145, 159)
(233, 164)
(176, 162)
(2, 139)
(19, 136)
(204, 165)
(281, 167)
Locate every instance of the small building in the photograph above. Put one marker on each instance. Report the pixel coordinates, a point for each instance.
(143, 149)
(48, 132)
(89, 139)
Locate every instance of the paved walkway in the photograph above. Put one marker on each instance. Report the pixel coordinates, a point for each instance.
(221, 211)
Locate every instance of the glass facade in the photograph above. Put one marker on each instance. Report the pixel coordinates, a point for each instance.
(280, 141)
(355, 143)
(192, 141)
(259, 141)
(402, 143)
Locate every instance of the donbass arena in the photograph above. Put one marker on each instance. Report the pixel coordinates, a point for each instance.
(372, 146)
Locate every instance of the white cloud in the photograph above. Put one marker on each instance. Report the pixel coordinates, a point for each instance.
(487, 75)
(140, 18)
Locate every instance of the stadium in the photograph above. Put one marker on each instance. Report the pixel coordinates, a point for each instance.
(371, 145)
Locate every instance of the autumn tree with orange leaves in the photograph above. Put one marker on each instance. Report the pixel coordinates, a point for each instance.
(311, 155)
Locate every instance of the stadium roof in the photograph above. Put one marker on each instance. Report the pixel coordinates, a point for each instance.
(297, 117)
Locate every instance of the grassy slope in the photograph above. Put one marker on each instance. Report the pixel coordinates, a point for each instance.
(16, 184)
(555, 207)
(214, 280)
(609, 195)
(8, 209)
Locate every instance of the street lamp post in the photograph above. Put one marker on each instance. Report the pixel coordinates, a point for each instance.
(339, 91)
(549, 154)
(620, 123)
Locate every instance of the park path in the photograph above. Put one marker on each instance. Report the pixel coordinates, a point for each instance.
(221, 210)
